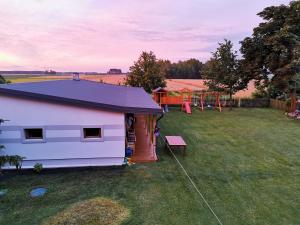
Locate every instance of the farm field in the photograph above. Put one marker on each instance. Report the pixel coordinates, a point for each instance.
(246, 163)
(112, 79)
(172, 84)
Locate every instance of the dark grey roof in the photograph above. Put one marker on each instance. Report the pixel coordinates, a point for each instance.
(87, 93)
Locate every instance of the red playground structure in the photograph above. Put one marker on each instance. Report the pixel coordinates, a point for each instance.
(184, 97)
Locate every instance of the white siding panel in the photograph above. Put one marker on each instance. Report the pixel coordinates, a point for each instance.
(24, 112)
(10, 134)
(34, 113)
(62, 133)
(63, 150)
(114, 132)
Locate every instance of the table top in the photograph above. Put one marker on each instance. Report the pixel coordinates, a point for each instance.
(175, 140)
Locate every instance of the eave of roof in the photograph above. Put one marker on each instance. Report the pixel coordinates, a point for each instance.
(78, 102)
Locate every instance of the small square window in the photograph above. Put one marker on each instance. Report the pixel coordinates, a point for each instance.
(33, 134)
(92, 133)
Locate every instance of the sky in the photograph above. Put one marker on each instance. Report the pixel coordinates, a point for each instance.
(95, 35)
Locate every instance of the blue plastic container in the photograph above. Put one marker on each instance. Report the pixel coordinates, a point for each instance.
(128, 152)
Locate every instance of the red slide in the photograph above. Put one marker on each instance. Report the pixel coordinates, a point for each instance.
(187, 107)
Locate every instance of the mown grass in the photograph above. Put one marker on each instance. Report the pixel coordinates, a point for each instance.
(95, 211)
(245, 162)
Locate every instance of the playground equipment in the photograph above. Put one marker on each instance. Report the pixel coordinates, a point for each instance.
(186, 106)
(295, 107)
(164, 97)
(210, 100)
(185, 98)
(186, 95)
(182, 98)
(160, 95)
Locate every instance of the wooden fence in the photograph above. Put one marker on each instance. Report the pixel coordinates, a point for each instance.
(279, 104)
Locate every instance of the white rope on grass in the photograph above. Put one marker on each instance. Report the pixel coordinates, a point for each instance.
(192, 182)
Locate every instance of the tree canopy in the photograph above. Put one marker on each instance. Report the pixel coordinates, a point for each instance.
(272, 53)
(188, 69)
(223, 70)
(146, 73)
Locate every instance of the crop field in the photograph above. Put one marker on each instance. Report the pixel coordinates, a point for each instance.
(119, 79)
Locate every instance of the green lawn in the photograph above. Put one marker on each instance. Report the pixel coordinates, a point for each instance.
(28, 78)
(245, 162)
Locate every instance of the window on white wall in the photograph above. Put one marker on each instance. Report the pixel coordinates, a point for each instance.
(33, 134)
(92, 133)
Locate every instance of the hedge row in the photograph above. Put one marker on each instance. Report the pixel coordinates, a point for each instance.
(249, 102)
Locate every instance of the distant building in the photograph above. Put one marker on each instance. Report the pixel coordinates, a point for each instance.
(51, 72)
(114, 71)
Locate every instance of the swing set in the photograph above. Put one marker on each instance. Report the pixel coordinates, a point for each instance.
(186, 97)
(210, 100)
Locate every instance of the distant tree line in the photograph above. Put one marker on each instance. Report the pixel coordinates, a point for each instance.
(188, 69)
(22, 72)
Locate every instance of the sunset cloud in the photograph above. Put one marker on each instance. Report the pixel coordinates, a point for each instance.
(94, 35)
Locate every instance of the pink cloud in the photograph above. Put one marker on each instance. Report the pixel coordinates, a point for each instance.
(96, 35)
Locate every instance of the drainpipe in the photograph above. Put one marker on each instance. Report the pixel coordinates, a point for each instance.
(160, 117)
(156, 130)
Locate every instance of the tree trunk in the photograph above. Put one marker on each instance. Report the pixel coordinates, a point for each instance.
(293, 105)
(230, 100)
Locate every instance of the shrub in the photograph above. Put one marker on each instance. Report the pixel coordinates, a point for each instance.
(12, 160)
(38, 167)
(97, 211)
(16, 160)
(3, 160)
(252, 102)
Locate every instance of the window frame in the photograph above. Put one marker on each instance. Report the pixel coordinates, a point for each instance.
(83, 139)
(31, 141)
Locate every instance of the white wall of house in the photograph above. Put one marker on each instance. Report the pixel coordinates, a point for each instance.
(63, 145)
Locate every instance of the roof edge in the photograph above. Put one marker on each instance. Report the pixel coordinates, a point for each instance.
(56, 99)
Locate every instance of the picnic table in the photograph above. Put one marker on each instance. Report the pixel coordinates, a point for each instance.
(176, 142)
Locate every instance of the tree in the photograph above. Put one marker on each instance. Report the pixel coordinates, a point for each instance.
(223, 71)
(2, 80)
(146, 73)
(165, 67)
(272, 53)
(196, 67)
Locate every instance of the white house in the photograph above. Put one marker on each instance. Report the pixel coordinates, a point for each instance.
(75, 123)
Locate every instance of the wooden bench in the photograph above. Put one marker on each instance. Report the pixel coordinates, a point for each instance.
(176, 142)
